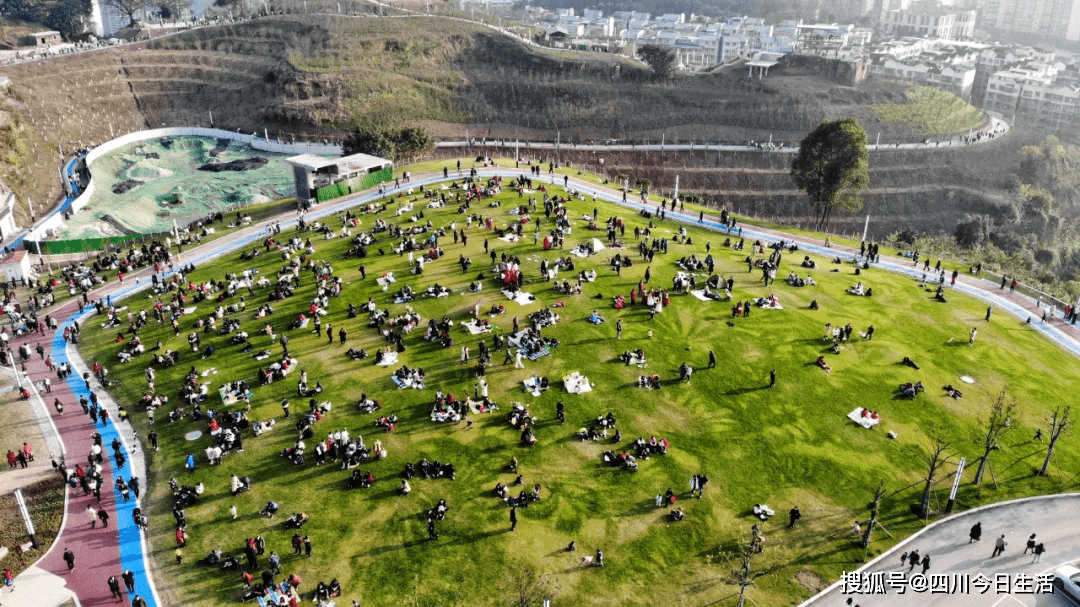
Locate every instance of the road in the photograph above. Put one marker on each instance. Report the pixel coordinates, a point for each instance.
(1052, 518)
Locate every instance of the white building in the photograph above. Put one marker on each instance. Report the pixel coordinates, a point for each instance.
(15, 266)
(957, 79)
(1049, 18)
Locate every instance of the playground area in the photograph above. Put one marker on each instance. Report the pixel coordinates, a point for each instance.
(142, 187)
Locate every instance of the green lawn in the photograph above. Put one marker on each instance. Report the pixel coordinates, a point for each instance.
(933, 111)
(790, 445)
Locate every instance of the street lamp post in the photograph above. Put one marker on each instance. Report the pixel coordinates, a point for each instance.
(11, 359)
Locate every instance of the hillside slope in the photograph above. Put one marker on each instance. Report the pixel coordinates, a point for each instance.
(316, 76)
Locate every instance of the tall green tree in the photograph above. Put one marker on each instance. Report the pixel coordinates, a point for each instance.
(833, 167)
(373, 143)
(412, 142)
(659, 57)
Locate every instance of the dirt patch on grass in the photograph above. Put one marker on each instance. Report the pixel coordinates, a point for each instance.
(810, 580)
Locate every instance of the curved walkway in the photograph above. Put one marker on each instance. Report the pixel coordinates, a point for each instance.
(101, 553)
(961, 561)
(996, 125)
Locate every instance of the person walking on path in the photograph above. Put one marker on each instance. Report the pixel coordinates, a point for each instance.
(129, 580)
(1030, 544)
(793, 517)
(114, 587)
(913, 560)
(976, 532)
(1038, 552)
(513, 518)
(925, 563)
(69, 558)
(999, 546)
(91, 515)
(517, 361)
(104, 517)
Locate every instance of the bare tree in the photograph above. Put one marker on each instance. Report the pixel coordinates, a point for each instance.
(129, 8)
(745, 575)
(995, 427)
(1059, 423)
(934, 455)
(873, 505)
(530, 588)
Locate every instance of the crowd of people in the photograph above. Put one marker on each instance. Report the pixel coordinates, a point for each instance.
(305, 274)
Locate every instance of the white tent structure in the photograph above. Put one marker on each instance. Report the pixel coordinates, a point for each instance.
(597, 246)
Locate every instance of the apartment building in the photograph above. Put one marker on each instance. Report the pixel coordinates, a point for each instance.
(1049, 18)
(928, 20)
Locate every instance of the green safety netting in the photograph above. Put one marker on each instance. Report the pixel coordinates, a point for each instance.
(356, 184)
(142, 187)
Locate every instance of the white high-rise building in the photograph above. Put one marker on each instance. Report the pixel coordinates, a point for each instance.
(1050, 18)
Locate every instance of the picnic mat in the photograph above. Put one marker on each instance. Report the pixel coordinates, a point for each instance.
(576, 383)
(865, 422)
(389, 358)
(475, 329)
(510, 238)
(520, 297)
(700, 295)
(532, 387)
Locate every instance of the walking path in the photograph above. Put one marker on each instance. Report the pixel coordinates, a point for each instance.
(995, 125)
(961, 561)
(101, 553)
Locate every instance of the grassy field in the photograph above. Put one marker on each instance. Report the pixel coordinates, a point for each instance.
(934, 111)
(45, 501)
(791, 445)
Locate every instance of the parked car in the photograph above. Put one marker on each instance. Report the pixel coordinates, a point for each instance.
(1067, 583)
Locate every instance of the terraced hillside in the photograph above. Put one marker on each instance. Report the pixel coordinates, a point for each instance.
(922, 190)
(80, 100)
(316, 76)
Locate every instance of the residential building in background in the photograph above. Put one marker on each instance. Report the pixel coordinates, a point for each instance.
(1048, 18)
(928, 20)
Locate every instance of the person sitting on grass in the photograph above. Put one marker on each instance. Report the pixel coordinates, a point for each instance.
(824, 365)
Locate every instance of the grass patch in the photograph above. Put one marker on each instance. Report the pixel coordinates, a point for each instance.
(934, 111)
(45, 501)
(790, 445)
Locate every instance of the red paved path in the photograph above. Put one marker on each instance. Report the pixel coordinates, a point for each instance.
(97, 552)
